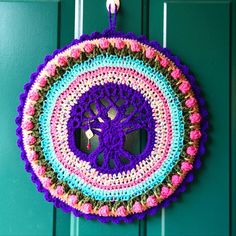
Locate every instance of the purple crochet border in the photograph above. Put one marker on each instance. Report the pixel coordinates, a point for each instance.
(190, 176)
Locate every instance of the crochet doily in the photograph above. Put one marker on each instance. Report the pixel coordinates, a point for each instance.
(81, 105)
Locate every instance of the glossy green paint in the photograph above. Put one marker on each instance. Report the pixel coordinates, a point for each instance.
(66, 22)
(25, 38)
(233, 118)
(206, 51)
(155, 20)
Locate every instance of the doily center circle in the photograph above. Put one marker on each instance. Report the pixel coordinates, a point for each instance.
(111, 112)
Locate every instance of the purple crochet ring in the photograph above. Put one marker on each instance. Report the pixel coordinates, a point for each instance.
(75, 123)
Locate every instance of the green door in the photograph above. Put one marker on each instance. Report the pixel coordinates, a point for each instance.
(201, 33)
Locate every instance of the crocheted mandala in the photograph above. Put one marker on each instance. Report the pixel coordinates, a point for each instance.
(75, 92)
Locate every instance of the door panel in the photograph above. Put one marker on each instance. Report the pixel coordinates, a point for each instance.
(25, 38)
(200, 33)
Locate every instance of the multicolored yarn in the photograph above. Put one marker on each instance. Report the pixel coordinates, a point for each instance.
(76, 90)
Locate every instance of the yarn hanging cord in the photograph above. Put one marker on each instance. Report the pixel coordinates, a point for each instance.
(112, 18)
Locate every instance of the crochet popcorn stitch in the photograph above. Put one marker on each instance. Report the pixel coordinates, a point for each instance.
(144, 88)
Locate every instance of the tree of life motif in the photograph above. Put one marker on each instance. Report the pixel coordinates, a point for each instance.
(111, 112)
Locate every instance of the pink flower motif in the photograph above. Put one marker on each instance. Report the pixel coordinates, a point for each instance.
(175, 73)
(165, 192)
(137, 207)
(186, 166)
(30, 110)
(42, 81)
(62, 61)
(72, 200)
(104, 43)
(59, 190)
(176, 180)
(40, 170)
(88, 47)
(51, 70)
(185, 87)
(34, 95)
(191, 150)
(104, 211)
(135, 47)
(30, 140)
(33, 156)
(75, 53)
(119, 44)
(47, 182)
(195, 118)
(152, 201)
(150, 53)
(27, 125)
(87, 208)
(121, 211)
(195, 134)
(190, 102)
(164, 62)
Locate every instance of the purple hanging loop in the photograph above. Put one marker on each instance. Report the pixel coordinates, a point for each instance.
(112, 20)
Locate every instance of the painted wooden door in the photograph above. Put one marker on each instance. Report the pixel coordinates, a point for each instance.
(201, 32)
